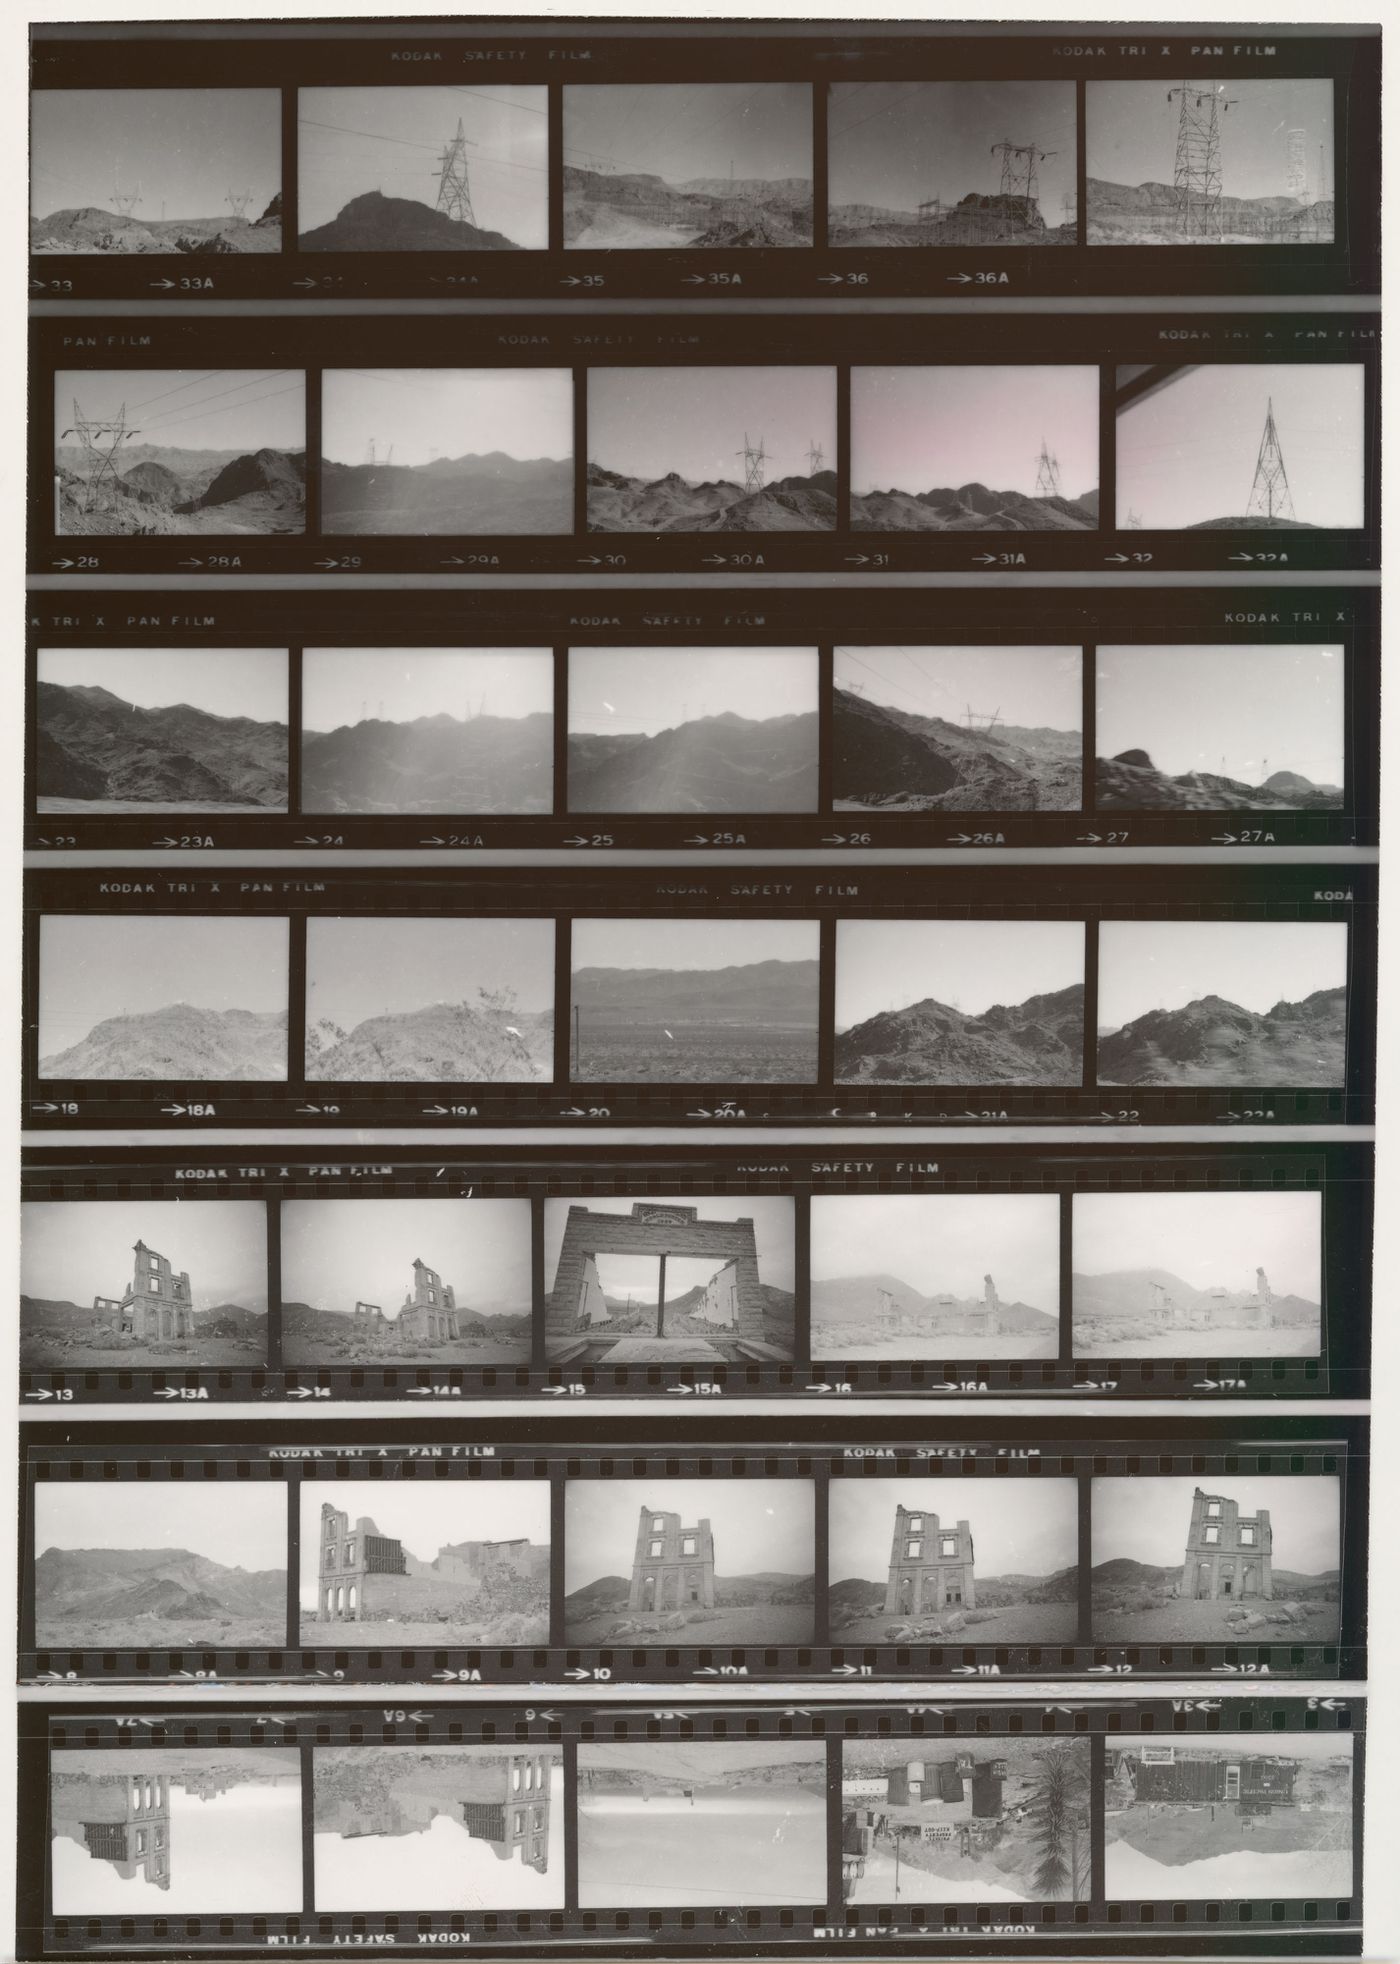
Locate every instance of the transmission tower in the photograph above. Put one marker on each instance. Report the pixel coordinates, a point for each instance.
(101, 438)
(1020, 167)
(126, 201)
(1134, 521)
(370, 457)
(238, 201)
(454, 186)
(816, 457)
(755, 461)
(981, 719)
(1047, 473)
(1270, 497)
(1197, 178)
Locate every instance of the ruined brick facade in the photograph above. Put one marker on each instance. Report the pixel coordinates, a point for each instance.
(157, 1306)
(428, 1315)
(506, 1802)
(119, 1818)
(364, 1575)
(673, 1565)
(931, 1567)
(1227, 1553)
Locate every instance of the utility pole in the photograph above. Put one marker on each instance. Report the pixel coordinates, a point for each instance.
(1047, 475)
(755, 460)
(1020, 166)
(1196, 179)
(454, 186)
(1270, 497)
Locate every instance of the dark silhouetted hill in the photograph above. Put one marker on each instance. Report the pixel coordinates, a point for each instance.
(436, 763)
(725, 763)
(885, 757)
(1212, 1041)
(1039, 1041)
(172, 753)
(374, 223)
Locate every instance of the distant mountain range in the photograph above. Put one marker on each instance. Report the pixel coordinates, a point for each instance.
(971, 508)
(1211, 1041)
(180, 491)
(441, 1043)
(1039, 1041)
(54, 1314)
(94, 746)
(440, 764)
(866, 1596)
(1130, 781)
(1147, 213)
(772, 993)
(893, 758)
(116, 1583)
(725, 763)
(304, 1321)
(179, 1041)
(470, 496)
(854, 1299)
(374, 223)
(617, 503)
(616, 210)
(1125, 1573)
(91, 229)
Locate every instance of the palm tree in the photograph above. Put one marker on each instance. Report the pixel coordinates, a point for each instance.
(1059, 1824)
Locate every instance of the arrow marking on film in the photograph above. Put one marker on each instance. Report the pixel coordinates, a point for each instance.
(41, 1396)
(961, 279)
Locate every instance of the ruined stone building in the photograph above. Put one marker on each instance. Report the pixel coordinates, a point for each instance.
(427, 1317)
(364, 1575)
(1220, 1305)
(157, 1305)
(943, 1314)
(1227, 1553)
(506, 1802)
(931, 1567)
(121, 1818)
(1176, 1775)
(673, 1565)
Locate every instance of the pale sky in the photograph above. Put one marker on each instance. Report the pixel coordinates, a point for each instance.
(966, 965)
(1166, 964)
(238, 409)
(528, 413)
(1230, 1745)
(682, 131)
(1146, 1519)
(771, 1214)
(336, 1253)
(425, 1515)
(341, 686)
(651, 689)
(1037, 688)
(691, 944)
(1130, 133)
(1187, 452)
(73, 1250)
(922, 429)
(350, 141)
(241, 1526)
(357, 968)
(757, 1525)
(222, 681)
(184, 149)
(646, 422)
(92, 966)
(898, 144)
(1273, 704)
(1207, 1239)
(1019, 1527)
(943, 1243)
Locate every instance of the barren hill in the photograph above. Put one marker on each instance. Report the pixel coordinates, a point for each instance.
(725, 763)
(1214, 1042)
(853, 1298)
(772, 993)
(153, 757)
(617, 503)
(892, 759)
(1131, 782)
(374, 223)
(439, 763)
(638, 210)
(90, 229)
(1240, 524)
(182, 491)
(179, 1041)
(971, 508)
(165, 1582)
(1132, 1291)
(442, 1043)
(468, 496)
(1039, 1041)
(1148, 214)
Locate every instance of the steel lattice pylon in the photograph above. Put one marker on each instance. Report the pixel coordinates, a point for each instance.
(816, 457)
(1270, 497)
(755, 460)
(1047, 474)
(101, 438)
(454, 186)
(1020, 167)
(1197, 179)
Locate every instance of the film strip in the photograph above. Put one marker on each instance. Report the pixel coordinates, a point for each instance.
(407, 1554)
(598, 163)
(915, 1828)
(532, 718)
(632, 445)
(1004, 1271)
(1148, 995)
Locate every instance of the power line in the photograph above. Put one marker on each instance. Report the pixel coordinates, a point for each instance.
(197, 417)
(253, 382)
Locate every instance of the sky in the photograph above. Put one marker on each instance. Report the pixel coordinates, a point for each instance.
(238, 409)
(921, 429)
(350, 141)
(681, 131)
(757, 1524)
(1037, 688)
(1166, 964)
(356, 969)
(237, 1525)
(943, 1242)
(646, 422)
(447, 412)
(653, 689)
(1130, 133)
(1019, 1527)
(185, 149)
(71, 1251)
(771, 1215)
(691, 944)
(424, 1514)
(223, 681)
(1294, 1745)
(1205, 1238)
(1187, 452)
(1274, 706)
(341, 686)
(98, 965)
(1147, 1519)
(336, 1253)
(898, 144)
(967, 965)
